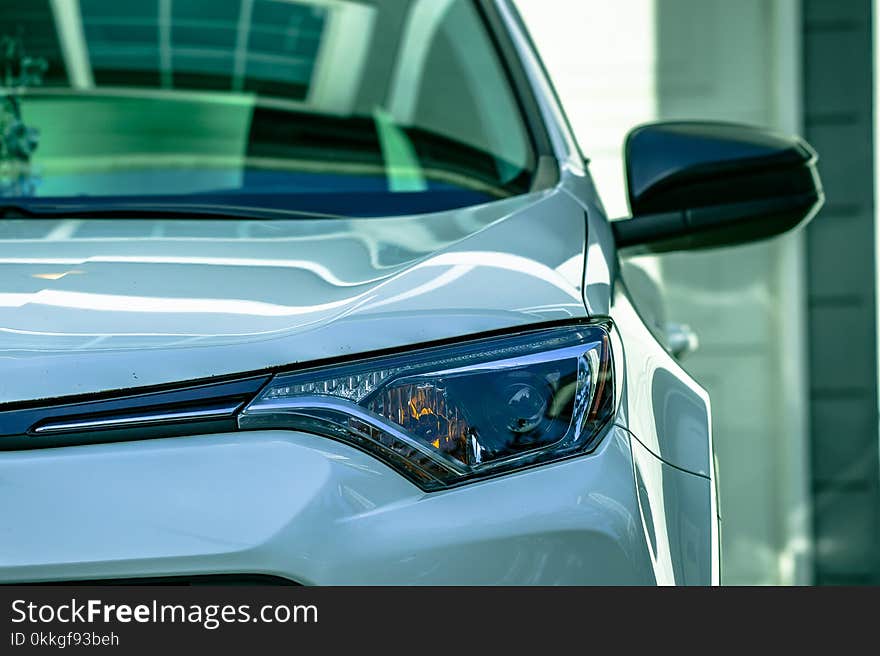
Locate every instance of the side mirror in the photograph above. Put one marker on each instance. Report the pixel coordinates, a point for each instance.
(695, 185)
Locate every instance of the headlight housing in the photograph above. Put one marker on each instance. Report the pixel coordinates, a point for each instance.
(445, 415)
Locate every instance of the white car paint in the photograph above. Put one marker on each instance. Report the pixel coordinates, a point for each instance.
(168, 301)
(108, 306)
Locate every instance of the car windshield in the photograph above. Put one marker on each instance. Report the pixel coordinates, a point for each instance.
(261, 103)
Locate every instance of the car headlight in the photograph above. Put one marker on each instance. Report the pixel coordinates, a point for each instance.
(449, 414)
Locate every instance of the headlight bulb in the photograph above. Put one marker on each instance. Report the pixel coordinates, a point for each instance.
(526, 407)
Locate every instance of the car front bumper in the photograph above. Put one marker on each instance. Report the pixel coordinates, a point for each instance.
(314, 511)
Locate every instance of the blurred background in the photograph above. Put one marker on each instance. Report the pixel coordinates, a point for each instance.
(786, 329)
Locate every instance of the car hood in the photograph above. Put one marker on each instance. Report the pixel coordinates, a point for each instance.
(95, 305)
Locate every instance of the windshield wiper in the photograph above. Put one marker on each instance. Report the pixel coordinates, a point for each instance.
(125, 210)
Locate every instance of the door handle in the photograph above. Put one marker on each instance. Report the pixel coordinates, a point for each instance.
(681, 340)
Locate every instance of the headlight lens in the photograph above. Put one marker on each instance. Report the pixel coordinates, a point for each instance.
(446, 415)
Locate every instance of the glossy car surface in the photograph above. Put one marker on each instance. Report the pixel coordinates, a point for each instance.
(99, 312)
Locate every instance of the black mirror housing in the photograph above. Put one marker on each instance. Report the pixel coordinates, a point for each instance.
(694, 185)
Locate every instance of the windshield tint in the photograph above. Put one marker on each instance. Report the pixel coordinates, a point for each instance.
(256, 102)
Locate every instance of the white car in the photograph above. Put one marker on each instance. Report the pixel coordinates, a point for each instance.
(322, 293)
